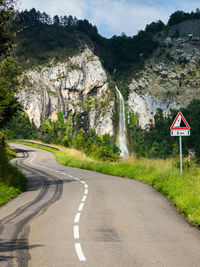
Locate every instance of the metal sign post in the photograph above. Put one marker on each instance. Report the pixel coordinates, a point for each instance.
(180, 148)
(180, 128)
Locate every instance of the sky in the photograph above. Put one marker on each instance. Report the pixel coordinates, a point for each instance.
(112, 17)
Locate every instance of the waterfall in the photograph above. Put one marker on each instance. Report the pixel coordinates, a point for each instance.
(122, 127)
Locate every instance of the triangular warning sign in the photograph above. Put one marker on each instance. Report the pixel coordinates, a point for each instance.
(180, 123)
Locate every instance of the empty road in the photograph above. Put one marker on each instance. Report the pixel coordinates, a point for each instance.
(71, 217)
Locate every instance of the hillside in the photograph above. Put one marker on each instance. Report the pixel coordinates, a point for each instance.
(69, 68)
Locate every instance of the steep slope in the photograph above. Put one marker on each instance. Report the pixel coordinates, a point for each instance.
(170, 79)
(78, 85)
(152, 69)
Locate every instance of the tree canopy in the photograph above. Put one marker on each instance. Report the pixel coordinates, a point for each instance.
(9, 70)
(179, 16)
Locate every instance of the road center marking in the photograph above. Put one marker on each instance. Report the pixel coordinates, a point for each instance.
(81, 207)
(79, 252)
(78, 214)
(77, 217)
(84, 198)
(76, 231)
(86, 191)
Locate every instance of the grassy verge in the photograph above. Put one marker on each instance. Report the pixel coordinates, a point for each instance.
(163, 175)
(12, 180)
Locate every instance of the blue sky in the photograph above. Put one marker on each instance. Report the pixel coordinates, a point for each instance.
(112, 17)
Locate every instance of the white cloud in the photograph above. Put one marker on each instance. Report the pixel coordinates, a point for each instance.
(121, 16)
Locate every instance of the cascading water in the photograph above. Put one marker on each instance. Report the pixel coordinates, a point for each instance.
(122, 127)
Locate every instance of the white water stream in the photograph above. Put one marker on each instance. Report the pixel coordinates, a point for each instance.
(122, 127)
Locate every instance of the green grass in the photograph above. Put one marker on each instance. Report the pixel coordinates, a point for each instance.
(163, 175)
(12, 180)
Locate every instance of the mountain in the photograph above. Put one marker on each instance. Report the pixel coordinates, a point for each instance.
(69, 67)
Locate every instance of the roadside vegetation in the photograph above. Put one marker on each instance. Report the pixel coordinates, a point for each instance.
(12, 181)
(163, 175)
(67, 132)
(157, 143)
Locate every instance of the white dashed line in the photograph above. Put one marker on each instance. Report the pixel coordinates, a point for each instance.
(77, 217)
(84, 198)
(76, 232)
(81, 207)
(79, 252)
(78, 214)
(86, 191)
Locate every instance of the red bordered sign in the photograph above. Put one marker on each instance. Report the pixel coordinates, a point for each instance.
(180, 123)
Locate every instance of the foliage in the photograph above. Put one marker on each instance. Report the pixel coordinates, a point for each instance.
(12, 181)
(68, 132)
(7, 14)
(157, 142)
(180, 16)
(155, 27)
(9, 86)
(9, 71)
(20, 127)
(41, 38)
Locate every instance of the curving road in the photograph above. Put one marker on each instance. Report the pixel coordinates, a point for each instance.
(72, 217)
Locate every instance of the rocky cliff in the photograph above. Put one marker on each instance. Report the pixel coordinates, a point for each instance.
(185, 28)
(79, 85)
(170, 79)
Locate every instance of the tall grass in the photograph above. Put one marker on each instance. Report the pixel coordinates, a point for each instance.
(163, 175)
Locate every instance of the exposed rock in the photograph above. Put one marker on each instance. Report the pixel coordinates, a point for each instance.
(66, 87)
(145, 107)
(186, 28)
(170, 79)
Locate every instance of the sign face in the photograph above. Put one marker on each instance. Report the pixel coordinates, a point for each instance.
(180, 132)
(180, 123)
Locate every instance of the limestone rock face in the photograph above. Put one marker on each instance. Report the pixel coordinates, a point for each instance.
(145, 107)
(79, 85)
(170, 79)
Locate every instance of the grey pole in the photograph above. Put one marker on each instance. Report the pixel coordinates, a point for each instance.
(180, 147)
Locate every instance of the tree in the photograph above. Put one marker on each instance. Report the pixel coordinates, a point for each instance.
(7, 14)
(155, 27)
(81, 140)
(9, 86)
(56, 20)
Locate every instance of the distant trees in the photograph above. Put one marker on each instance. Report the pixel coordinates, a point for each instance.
(180, 16)
(34, 18)
(155, 27)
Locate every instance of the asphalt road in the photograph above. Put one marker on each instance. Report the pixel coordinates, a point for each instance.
(71, 217)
